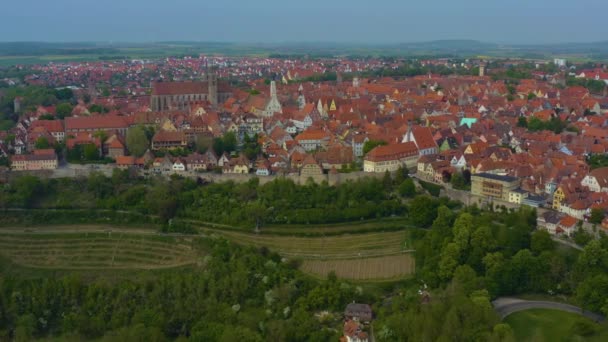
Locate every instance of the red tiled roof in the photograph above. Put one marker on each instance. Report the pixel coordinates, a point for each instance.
(424, 137)
(391, 152)
(95, 122)
(179, 88)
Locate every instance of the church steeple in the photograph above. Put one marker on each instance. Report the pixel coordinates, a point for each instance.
(212, 84)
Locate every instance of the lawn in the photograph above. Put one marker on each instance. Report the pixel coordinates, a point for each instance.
(551, 325)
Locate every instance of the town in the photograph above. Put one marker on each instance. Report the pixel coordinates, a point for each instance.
(521, 132)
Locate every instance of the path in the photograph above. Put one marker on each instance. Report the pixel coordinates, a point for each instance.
(567, 243)
(508, 305)
(86, 228)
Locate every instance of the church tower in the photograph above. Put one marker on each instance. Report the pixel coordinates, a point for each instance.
(273, 105)
(212, 84)
(482, 69)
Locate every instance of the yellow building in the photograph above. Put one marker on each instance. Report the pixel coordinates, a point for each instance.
(493, 186)
(558, 198)
(391, 157)
(517, 196)
(40, 160)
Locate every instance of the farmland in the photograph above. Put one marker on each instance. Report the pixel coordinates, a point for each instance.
(378, 268)
(95, 250)
(365, 256)
(341, 246)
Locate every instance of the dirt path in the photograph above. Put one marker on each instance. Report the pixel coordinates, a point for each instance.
(92, 228)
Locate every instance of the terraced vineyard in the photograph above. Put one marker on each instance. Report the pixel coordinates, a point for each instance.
(86, 250)
(379, 268)
(342, 246)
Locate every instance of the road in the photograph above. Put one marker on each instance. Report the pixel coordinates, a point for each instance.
(508, 305)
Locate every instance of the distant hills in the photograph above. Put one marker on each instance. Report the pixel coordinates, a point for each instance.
(437, 48)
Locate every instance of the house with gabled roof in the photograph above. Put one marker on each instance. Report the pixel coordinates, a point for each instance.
(597, 180)
(310, 167)
(391, 157)
(423, 138)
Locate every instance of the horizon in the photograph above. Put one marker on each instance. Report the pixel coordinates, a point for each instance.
(286, 42)
(238, 21)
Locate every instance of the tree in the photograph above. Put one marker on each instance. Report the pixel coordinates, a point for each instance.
(597, 215)
(522, 122)
(407, 188)
(137, 141)
(463, 231)
(41, 143)
(64, 94)
(423, 211)
(450, 259)
(90, 152)
(97, 108)
(63, 110)
(592, 293)
(458, 181)
(371, 144)
(541, 242)
(226, 143)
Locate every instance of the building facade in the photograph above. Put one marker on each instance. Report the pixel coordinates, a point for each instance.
(391, 157)
(493, 186)
(168, 96)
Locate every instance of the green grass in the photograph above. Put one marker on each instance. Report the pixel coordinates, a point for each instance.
(551, 325)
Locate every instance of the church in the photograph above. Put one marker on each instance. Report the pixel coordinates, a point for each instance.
(168, 96)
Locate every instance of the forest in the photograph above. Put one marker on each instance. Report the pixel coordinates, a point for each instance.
(465, 258)
(245, 204)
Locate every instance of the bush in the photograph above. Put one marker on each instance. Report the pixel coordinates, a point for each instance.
(433, 189)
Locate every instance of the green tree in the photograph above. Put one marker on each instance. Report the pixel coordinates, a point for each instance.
(90, 152)
(423, 211)
(63, 110)
(137, 140)
(522, 122)
(97, 108)
(64, 94)
(541, 242)
(597, 215)
(371, 144)
(407, 188)
(463, 231)
(592, 293)
(42, 143)
(450, 259)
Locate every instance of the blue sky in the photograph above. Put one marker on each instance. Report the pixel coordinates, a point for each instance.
(377, 21)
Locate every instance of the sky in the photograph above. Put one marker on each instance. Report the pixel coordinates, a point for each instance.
(273, 21)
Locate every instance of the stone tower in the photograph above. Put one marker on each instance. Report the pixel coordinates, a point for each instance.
(482, 69)
(212, 84)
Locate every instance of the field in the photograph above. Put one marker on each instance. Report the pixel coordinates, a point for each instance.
(550, 325)
(95, 250)
(335, 247)
(368, 254)
(379, 268)
(375, 255)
